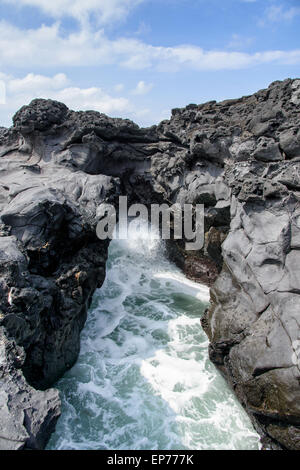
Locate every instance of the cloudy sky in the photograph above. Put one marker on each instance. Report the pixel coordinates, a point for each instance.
(141, 58)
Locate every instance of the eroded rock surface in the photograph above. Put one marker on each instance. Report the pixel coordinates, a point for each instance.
(240, 158)
(27, 416)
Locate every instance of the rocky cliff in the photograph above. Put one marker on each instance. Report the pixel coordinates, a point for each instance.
(241, 158)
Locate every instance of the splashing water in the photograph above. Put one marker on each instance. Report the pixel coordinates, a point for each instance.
(143, 379)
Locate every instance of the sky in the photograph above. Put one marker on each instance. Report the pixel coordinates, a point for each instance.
(138, 59)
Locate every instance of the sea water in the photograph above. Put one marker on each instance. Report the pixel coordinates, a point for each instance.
(143, 379)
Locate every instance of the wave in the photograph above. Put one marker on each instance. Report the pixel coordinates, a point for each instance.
(143, 379)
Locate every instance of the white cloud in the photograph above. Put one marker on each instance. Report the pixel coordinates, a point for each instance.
(143, 28)
(239, 42)
(217, 60)
(119, 87)
(2, 92)
(278, 13)
(105, 10)
(37, 83)
(46, 47)
(21, 91)
(142, 88)
(91, 98)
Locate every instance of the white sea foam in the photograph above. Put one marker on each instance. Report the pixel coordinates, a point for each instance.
(185, 285)
(143, 379)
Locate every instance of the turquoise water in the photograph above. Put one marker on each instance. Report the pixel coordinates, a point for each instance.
(143, 379)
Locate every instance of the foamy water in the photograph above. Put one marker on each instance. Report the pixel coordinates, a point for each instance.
(143, 379)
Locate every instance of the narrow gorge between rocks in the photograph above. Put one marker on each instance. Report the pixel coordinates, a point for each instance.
(239, 158)
(143, 379)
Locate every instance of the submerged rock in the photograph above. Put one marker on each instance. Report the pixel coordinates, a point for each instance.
(240, 158)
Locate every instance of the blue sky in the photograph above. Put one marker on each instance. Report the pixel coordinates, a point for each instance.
(141, 58)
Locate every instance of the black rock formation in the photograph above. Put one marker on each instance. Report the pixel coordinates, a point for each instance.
(241, 158)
